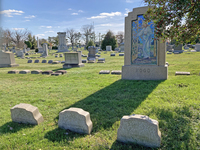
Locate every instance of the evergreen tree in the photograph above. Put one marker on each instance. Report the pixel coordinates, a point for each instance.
(109, 39)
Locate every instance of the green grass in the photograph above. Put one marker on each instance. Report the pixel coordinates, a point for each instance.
(175, 103)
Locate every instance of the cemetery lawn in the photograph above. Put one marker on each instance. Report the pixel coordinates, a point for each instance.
(175, 103)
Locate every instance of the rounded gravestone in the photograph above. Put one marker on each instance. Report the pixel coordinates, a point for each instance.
(26, 113)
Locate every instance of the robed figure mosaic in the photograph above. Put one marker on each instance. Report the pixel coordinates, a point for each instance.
(144, 45)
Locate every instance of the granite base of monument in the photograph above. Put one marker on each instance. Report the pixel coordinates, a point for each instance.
(7, 59)
(140, 72)
(73, 65)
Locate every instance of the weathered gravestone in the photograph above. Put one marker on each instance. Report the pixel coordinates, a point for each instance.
(72, 59)
(144, 56)
(112, 54)
(92, 52)
(108, 48)
(13, 72)
(25, 72)
(139, 129)
(61, 71)
(45, 50)
(104, 72)
(62, 47)
(55, 62)
(48, 72)
(50, 61)
(178, 49)
(56, 74)
(36, 72)
(117, 72)
(121, 54)
(26, 113)
(75, 119)
(101, 60)
(197, 47)
(30, 61)
(44, 61)
(181, 73)
(20, 54)
(7, 59)
(36, 61)
(84, 61)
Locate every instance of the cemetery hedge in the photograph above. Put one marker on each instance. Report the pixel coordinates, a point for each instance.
(174, 103)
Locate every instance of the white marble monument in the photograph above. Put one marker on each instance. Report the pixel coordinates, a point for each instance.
(62, 47)
(45, 50)
(7, 59)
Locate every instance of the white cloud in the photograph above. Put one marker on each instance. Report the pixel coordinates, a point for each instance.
(18, 28)
(80, 11)
(129, 1)
(48, 27)
(30, 16)
(40, 35)
(48, 31)
(27, 20)
(104, 25)
(104, 15)
(10, 13)
(74, 14)
(127, 11)
(69, 9)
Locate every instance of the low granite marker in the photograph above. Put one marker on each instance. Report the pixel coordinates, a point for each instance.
(26, 113)
(139, 129)
(75, 119)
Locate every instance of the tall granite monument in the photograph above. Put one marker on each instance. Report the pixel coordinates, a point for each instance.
(144, 55)
(62, 47)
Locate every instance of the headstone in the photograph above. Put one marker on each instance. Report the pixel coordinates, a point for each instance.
(101, 60)
(36, 61)
(25, 72)
(61, 71)
(36, 72)
(13, 72)
(104, 72)
(61, 55)
(98, 55)
(112, 54)
(30, 61)
(139, 129)
(20, 54)
(121, 47)
(55, 62)
(84, 55)
(80, 52)
(108, 48)
(40, 50)
(62, 47)
(92, 60)
(144, 57)
(84, 61)
(178, 49)
(26, 54)
(121, 54)
(24, 50)
(182, 73)
(49, 72)
(116, 49)
(44, 61)
(50, 61)
(26, 113)
(117, 72)
(197, 47)
(76, 120)
(45, 50)
(7, 59)
(92, 52)
(62, 62)
(72, 59)
(169, 53)
(56, 56)
(170, 48)
(56, 74)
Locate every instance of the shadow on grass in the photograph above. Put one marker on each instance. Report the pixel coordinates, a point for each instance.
(61, 69)
(111, 103)
(13, 127)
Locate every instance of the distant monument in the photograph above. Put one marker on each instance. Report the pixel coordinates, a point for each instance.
(144, 55)
(62, 47)
(73, 59)
(40, 49)
(45, 50)
(7, 59)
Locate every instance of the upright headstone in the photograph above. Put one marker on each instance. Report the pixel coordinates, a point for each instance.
(20, 54)
(45, 50)
(108, 48)
(26, 113)
(178, 49)
(40, 49)
(92, 52)
(144, 56)
(139, 129)
(197, 47)
(62, 47)
(24, 50)
(7, 59)
(72, 59)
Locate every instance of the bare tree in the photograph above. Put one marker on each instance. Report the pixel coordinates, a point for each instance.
(87, 31)
(120, 37)
(71, 35)
(77, 38)
(17, 37)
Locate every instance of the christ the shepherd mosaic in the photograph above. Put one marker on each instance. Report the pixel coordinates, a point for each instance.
(144, 46)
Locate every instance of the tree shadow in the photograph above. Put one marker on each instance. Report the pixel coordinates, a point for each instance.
(13, 127)
(111, 103)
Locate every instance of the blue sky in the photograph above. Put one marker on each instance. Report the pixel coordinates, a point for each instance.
(47, 17)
